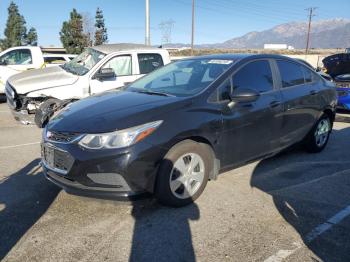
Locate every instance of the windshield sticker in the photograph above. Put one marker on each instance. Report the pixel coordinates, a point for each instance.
(187, 70)
(220, 61)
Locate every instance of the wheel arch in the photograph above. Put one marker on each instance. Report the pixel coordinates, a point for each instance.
(330, 113)
(204, 141)
(210, 145)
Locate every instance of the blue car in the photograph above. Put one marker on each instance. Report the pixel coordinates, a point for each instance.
(343, 90)
(338, 67)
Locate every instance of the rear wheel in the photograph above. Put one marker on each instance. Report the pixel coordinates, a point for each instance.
(318, 137)
(183, 173)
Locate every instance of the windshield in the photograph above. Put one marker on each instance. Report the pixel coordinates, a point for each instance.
(182, 78)
(82, 64)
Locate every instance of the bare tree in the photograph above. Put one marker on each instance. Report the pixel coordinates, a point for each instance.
(89, 27)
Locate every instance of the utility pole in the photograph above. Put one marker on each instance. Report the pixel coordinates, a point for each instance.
(147, 31)
(192, 36)
(311, 14)
(166, 28)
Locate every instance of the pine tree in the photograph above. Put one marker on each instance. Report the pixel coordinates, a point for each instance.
(15, 31)
(32, 37)
(72, 35)
(101, 36)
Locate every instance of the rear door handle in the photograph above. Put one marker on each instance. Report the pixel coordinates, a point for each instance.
(313, 92)
(126, 83)
(275, 103)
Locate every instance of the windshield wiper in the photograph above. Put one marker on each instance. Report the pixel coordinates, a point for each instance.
(152, 93)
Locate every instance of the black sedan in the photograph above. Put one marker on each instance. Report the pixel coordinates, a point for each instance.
(173, 130)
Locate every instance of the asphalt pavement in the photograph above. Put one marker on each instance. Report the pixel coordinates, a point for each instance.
(292, 207)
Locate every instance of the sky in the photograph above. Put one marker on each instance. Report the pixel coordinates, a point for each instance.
(215, 20)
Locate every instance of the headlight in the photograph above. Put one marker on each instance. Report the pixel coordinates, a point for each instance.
(119, 138)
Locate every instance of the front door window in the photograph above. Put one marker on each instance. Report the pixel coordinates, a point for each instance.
(17, 57)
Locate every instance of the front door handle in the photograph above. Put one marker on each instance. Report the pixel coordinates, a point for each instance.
(275, 103)
(313, 92)
(126, 83)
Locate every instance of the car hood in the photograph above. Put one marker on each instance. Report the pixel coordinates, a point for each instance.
(40, 79)
(114, 110)
(337, 64)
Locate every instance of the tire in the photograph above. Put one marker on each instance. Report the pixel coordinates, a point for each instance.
(314, 142)
(2, 98)
(45, 111)
(172, 184)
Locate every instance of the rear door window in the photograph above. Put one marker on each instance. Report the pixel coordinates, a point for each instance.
(291, 73)
(307, 74)
(255, 75)
(149, 62)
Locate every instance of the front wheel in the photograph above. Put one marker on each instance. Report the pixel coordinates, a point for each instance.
(183, 173)
(317, 138)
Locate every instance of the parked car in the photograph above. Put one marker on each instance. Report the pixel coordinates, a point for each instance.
(317, 70)
(21, 58)
(171, 131)
(343, 90)
(97, 69)
(338, 66)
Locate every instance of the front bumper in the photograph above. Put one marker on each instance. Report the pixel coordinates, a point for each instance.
(19, 110)
(75, 188)
(343, 98)
(110, 174)
(23, 116)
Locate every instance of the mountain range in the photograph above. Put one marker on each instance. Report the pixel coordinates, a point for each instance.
(332, 33)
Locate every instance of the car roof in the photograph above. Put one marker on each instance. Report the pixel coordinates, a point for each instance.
(111, 48)
(238, 56)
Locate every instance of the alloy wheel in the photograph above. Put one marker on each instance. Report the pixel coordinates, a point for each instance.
(322, 132)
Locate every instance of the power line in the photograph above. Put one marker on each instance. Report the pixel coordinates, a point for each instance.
(311, 14)
(259, 7)
(229, 12)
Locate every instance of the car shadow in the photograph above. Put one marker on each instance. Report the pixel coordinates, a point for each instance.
(309, 189)
(24, 198)
(162, 233)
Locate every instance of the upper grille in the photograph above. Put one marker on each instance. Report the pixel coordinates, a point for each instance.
(10, 95)
(62, 137)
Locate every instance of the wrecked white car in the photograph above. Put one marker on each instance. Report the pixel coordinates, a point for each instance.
(97, 69)
(21, 58)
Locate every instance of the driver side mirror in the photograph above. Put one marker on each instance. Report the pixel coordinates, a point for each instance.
(244, 95)
(105, 73)
(3, 62)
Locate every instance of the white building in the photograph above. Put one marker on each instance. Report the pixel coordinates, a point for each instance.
(278, 46)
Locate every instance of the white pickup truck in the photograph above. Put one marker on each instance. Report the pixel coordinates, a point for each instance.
(97, 69)
(21, 58)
